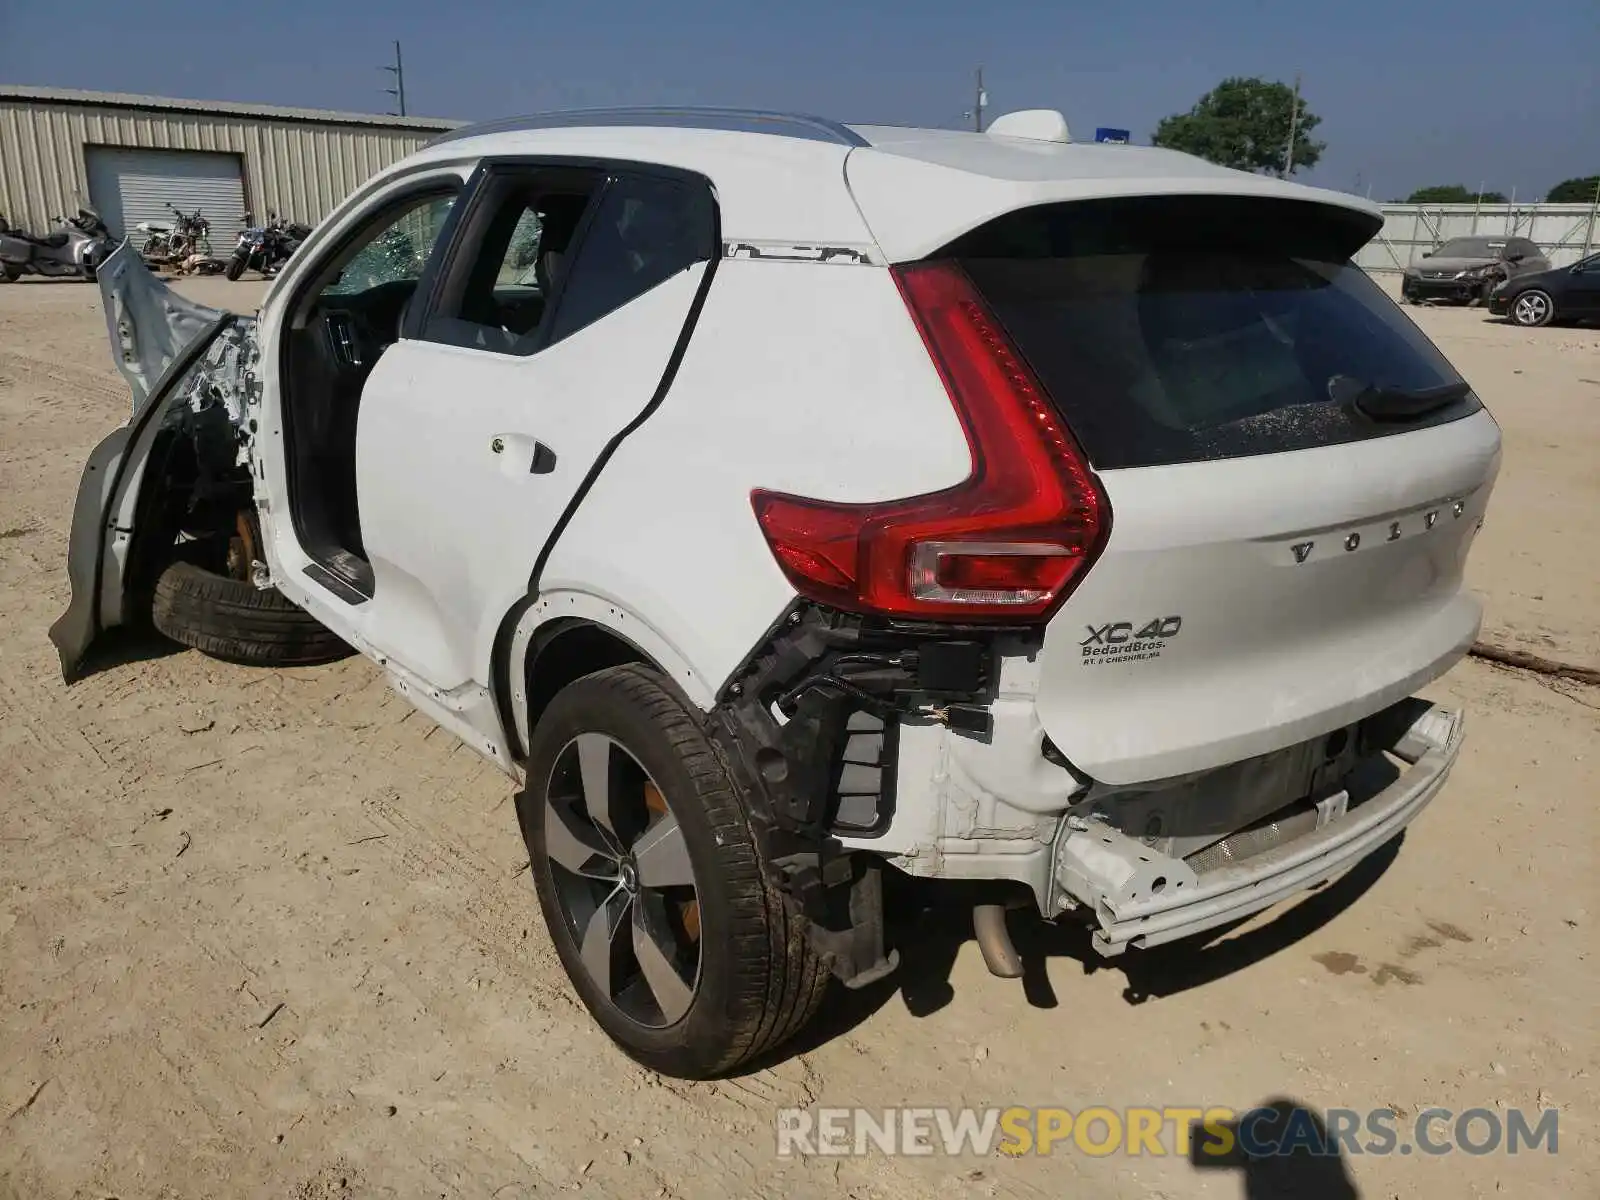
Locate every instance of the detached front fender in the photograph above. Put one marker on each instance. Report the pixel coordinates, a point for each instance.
(156, 337)
(149, 324)
(104, 516)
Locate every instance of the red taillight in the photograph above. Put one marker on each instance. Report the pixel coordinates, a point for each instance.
(1009, 543)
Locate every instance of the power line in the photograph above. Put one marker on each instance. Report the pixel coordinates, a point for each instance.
(398, 91)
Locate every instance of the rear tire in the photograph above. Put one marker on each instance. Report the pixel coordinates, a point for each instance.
(756, 978)
(235, 268)
(236, 621)
(10, 272)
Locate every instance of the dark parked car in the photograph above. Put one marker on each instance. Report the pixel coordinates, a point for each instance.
(1561, 294)
(1467, 269)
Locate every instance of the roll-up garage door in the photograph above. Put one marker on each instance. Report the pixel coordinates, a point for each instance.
(128, 186)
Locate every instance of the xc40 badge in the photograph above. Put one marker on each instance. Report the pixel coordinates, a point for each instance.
(1120, 642)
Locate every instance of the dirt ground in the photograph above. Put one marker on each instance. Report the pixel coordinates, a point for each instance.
(269, 933)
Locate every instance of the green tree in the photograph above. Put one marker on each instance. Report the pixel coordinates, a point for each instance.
(1574, 191)
(1244, 123)
(1453, 193)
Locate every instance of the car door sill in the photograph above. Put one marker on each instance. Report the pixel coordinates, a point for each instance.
(339, 586)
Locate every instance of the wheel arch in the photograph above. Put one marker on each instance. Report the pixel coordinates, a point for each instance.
(547, 642)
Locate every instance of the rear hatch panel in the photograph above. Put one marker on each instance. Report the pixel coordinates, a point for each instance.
(1295, 474)
(1229, 617)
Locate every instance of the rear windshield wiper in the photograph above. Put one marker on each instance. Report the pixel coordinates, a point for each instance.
(1395, 404)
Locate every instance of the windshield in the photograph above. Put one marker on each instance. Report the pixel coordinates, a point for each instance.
(1179, 329)
(1469, 247)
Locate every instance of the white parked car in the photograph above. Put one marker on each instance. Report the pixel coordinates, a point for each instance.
(781, 501)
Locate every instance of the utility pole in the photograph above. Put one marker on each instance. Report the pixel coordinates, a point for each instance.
(1294, 128)
(398, 91)
(980, 101)
(1594, 211)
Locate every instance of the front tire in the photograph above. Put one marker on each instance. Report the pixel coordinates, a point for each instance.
(1533, 308)
(235, 268)
(236, 621)
(665, 917)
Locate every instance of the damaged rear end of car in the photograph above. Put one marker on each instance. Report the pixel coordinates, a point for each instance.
(1154, 664)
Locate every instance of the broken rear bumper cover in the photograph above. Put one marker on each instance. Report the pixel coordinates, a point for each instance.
(1140, 897)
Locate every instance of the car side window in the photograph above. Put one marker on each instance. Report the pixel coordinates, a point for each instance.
(395, 249)
(506, 269)
(646, 229)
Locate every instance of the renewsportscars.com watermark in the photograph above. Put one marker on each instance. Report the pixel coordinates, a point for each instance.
(1197, 1133)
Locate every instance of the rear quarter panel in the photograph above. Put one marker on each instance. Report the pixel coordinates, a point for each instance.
(800, 377)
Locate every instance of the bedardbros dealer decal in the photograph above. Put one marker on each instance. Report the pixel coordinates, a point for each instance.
(1118, 642)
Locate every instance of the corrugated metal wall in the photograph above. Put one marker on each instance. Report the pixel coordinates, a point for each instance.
(1565, 232)
(299, 170)
(129, 186)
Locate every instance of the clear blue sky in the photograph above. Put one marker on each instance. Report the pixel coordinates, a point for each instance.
(1411, 92)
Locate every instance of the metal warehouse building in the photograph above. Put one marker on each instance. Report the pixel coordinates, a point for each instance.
(131, 156)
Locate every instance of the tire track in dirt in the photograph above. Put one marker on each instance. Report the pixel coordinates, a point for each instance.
(24, 371)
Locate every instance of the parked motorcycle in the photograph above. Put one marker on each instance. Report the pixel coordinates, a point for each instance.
(265, 248)
(187, 236)
(76, 247)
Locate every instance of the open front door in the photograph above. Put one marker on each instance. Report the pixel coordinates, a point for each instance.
(550, 333)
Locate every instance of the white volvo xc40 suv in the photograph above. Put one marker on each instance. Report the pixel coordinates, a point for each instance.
(780, 502)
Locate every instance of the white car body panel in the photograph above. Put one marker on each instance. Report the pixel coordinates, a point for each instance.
(286, 558)
(773, 189)
(803, 378)
(453, 527)
(1272, 650)
(919, 189)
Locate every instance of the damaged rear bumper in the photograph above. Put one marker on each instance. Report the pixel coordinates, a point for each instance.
(1140, 897)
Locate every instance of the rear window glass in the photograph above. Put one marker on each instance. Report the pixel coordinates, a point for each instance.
(1180, 329)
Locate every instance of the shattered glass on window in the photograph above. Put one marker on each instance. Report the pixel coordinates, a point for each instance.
(399, 251)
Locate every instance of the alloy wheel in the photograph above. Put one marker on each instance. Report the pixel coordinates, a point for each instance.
(623, 880)
(1531, 308)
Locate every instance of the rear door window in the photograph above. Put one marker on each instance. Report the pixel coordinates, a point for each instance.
(506, 271)
(1181, 329)
(647, 229)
